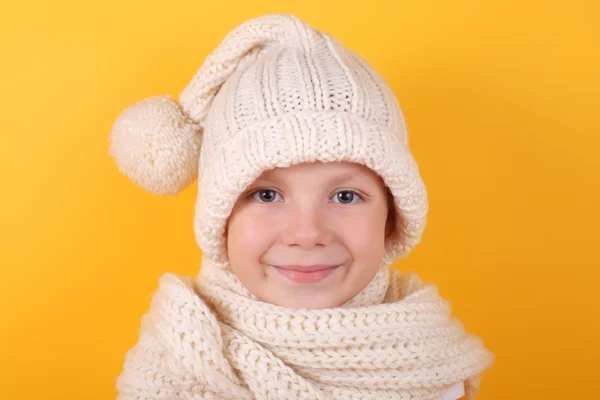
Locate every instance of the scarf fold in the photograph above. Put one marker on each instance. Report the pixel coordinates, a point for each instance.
(211, 339)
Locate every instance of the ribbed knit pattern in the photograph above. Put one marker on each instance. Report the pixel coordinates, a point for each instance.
(275, 93)
(201, 340)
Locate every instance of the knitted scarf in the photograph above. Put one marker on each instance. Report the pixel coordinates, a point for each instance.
(211, 339)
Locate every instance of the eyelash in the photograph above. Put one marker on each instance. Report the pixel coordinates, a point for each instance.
(251, 194)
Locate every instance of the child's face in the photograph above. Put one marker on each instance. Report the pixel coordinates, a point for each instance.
(293, 220)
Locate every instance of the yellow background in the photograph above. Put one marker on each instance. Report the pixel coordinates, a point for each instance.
(501, 100)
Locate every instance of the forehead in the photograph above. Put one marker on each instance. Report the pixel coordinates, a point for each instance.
(319, 172)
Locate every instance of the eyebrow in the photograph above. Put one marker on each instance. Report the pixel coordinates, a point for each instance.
(349, 176)
(346, 177)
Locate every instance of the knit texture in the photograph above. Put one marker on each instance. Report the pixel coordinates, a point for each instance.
(274, 93)
(202, 340)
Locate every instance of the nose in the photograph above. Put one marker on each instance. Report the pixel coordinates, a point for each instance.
(305, 227)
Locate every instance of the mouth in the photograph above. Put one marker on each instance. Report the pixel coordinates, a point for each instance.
(306, 274)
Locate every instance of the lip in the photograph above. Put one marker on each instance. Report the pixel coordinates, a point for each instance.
(306, 274)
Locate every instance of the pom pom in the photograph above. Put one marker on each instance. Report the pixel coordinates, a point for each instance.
(156, 145)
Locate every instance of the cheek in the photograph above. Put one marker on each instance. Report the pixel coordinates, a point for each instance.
(365, 237)
(246, 239)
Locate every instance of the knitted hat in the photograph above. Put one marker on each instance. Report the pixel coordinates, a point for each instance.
(274, 93)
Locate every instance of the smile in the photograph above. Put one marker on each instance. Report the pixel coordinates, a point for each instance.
(300, 274)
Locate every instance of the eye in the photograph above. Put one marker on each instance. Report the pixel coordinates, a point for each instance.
(346, 196)
(270, 196)
(264, 195)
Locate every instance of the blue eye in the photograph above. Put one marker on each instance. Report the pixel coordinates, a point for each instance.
(268, 198)
(346, 196)
(342, 197)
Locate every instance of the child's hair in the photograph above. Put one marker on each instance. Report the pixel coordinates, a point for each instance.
(274, 93)
(391, 225)
(277, 92)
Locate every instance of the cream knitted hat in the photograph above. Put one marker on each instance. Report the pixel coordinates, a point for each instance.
(274, 93)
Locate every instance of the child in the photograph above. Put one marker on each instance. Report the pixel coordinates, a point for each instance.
(307, 193)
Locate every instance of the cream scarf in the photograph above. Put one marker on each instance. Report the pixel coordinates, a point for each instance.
(212, 339)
